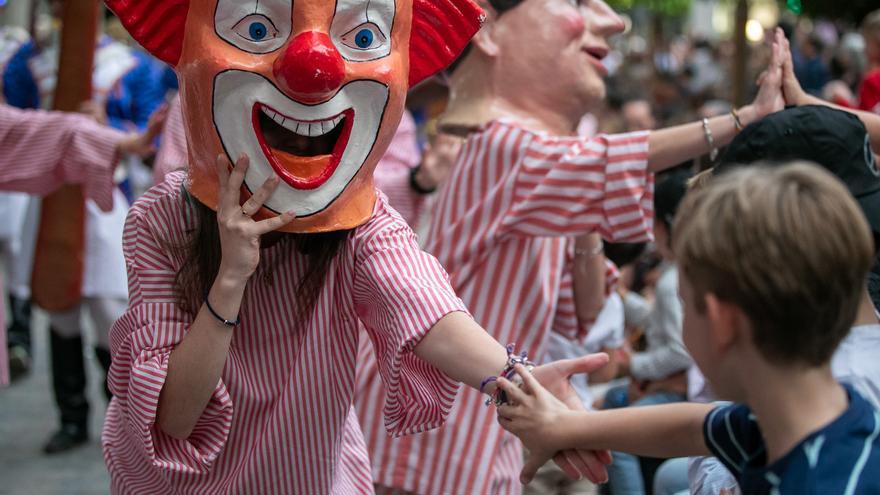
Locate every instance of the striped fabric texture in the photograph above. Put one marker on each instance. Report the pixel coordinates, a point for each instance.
(44, 150)
(500, 228)
(280, 419)
(392, 175)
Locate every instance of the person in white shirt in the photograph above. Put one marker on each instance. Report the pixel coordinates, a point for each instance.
(655, 371)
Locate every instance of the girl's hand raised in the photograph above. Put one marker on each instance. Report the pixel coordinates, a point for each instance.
(239, 233)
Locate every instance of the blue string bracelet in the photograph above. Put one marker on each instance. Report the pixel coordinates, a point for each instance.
(230, 324)
(487, 381)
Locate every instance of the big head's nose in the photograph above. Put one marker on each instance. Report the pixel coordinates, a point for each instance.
(310, 70)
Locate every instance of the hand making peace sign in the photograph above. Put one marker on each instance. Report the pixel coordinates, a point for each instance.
(239, 233)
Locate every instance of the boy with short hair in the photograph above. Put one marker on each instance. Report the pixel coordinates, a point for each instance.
(773, 264)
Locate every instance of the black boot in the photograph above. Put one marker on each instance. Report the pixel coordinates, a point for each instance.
(69, 383)
(103, 356)
(19, 337)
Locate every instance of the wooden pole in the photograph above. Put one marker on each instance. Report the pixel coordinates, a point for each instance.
(60, 251)
(740, 61)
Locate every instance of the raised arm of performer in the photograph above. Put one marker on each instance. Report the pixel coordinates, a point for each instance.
(675, 145)
(43, 150)
(795, 95)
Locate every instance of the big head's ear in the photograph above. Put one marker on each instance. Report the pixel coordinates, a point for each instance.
(441, 29)
(158, 25)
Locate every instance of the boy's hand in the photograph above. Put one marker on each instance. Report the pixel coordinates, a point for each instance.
(555, 376)
(532, 415)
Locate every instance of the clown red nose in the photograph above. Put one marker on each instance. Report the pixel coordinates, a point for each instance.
(311, 70)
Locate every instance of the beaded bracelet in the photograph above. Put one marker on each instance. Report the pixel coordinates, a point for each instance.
(499, 398)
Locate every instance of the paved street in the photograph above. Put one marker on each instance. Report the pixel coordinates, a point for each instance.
(27, 418)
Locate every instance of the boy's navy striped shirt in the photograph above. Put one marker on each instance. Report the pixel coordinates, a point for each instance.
(842, 458)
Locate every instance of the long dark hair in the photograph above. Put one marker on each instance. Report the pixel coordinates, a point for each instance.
(200, 253)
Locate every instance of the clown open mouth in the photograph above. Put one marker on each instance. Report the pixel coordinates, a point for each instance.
(316, 150)
(305, 154)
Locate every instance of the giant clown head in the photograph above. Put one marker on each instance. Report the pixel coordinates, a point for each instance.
(310, 90)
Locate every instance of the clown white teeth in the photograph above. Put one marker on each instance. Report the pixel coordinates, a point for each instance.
(304, 128)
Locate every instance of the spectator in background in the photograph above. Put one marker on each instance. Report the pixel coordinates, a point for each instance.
(812, 71)
(658, 373)
(638, 115)
(869, 92)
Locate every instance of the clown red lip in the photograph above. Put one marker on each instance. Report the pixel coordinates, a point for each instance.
(304, 153)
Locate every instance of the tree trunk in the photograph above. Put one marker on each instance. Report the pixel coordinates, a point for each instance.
(60, 251)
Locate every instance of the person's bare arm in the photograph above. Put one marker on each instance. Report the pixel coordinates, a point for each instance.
(545, 426)
(675, 145)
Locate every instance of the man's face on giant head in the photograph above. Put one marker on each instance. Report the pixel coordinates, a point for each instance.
(552, 50)
(310, 90)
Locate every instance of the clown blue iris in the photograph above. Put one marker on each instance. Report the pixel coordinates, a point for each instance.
(258, 31)
(364, 38)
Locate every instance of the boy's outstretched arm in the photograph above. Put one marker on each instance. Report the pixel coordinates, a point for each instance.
(546, 426)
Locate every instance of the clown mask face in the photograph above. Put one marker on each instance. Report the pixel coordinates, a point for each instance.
(311, 90)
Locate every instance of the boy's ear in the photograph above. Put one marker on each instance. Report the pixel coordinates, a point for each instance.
(724, 323)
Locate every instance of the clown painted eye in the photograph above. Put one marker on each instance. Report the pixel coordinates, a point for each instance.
(258, 31)
(256, 28)
(364, 37)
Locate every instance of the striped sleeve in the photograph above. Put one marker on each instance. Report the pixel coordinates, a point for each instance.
(141, 343)
(733, 436)
(400, 293)
(572, 186)
(44, 150)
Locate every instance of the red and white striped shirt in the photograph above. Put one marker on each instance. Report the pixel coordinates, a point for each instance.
(392, 175)
(43, 150)
(280, 419)
(500, 228)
